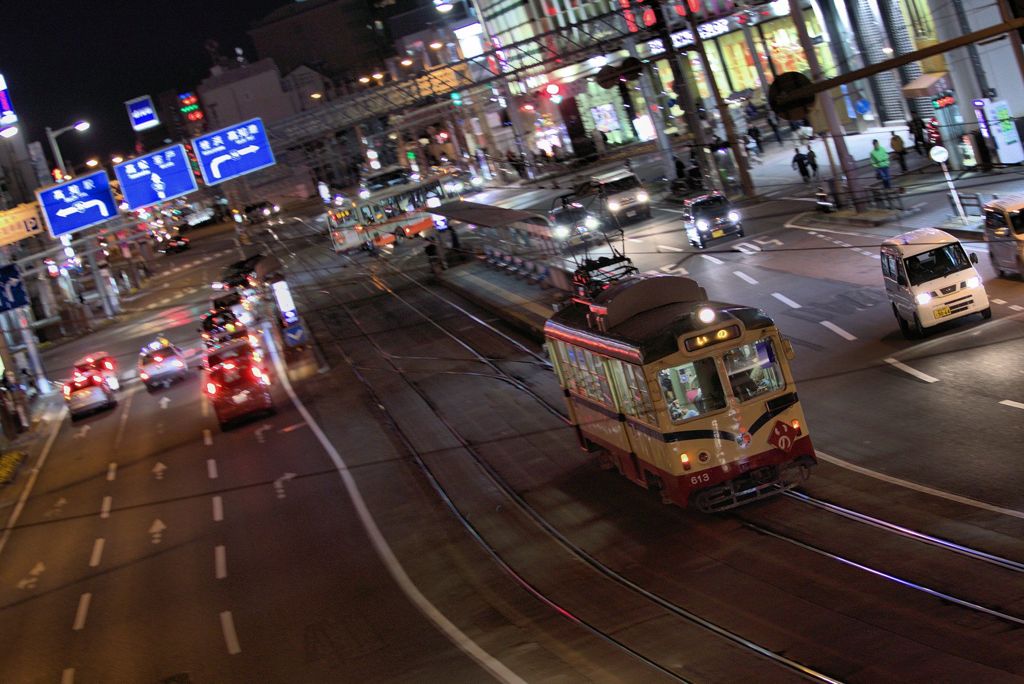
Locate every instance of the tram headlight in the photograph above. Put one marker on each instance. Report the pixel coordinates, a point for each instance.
(560, 232)
(706, 315)
(703, 225)
(734, 216)
(591, 223)
(923, 298)
(642, 196)
(973, 281)
(476, 181)
(613, 205)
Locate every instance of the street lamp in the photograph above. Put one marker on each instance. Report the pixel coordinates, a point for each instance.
(51, 135)
(92, 163)
(436, 45)
(116, 159)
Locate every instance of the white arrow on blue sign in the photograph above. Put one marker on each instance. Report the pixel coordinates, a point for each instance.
(233, 151)
(156, 177)
(77, 204)
(295, 335)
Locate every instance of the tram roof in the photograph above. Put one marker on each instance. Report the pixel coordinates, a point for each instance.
(652, 328)
(486, 214)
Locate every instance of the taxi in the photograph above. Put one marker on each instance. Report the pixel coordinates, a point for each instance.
(161, 363)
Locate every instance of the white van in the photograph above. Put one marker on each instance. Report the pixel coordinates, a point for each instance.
(1004, 233)
(930, 279)
(620, 197)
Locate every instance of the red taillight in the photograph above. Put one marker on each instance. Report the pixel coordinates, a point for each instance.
(211, 389)
(108, 365)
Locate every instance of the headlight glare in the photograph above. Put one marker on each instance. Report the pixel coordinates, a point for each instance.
(642, 196)
(734, 216)
(613, 205)
(702, 225)
(923, 298)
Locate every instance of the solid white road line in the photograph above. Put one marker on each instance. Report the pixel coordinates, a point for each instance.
(220, 562)
(924, 489)
(670, 248)
(211, 468)
(230, 637)
(838, 331)
(384, 551)
(58, 421)
(1012, 404)
(743, 276)
(714, 260)
(910, 371)
(97, 552)
(218, 509)
(105, 507)
(111, 471)
(785, 300)
(207, 435)
(82, 612)
(67, 676)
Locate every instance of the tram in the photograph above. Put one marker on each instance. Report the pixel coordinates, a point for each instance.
(379, 218)
(689, 398)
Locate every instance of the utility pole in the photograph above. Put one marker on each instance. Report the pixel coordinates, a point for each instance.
(828, 106)
(739, 153)
(654, 111)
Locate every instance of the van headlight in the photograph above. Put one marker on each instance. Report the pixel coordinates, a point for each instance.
(734, 216)
(560, 232)
(642, 196)
(703, 225)
(923, 298)
(613, 205)
(973, 281)
(591, 222)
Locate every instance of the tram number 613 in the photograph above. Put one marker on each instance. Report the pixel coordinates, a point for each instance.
(702, 477)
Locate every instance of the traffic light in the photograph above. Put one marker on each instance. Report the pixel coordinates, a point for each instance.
(457, 99)
(188, 105)
(57, 174)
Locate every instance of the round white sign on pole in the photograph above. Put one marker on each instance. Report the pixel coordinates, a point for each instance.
(939, 154)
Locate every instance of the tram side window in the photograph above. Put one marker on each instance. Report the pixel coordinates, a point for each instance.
(631, 391)
(585, 374)
(692, 389)
(753, 369)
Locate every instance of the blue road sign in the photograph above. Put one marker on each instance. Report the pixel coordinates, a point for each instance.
(155, 177)
(863, 106)
(233, 151)
(77, 204)
(12, 290)
(295, 336)
(142, 113)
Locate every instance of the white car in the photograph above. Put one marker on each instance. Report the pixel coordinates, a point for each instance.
(161, 363)
(87, 392)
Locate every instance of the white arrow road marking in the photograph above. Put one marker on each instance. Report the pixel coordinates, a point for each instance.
(259, 432)
(765, 241)
(82, 612)
(83, 431)
(156, 530)
(279, 484)
(33, 576)
(97, 552)
(164, 402)
(714, 260)
(230, 636)
(158, 470)
(674, 269)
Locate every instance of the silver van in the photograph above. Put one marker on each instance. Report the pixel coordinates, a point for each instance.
(617, 197)
(1004, 233)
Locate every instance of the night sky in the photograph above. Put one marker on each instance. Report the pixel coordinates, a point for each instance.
(66, 60)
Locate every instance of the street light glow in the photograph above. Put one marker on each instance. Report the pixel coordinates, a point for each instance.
(436, 45)
(117, 159)
(92, 163)
(81, 126)
(378, 76)
(406, 62)
(316, 96)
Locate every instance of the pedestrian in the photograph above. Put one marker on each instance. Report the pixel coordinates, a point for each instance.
(800, 164)
(917, 133)
(755, 134)
(751, 147)
(899, 149)
(812, 162)
(880, 160)
(680, 167)
(773, 122)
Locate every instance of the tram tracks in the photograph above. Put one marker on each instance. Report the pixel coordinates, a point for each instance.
(731, 637)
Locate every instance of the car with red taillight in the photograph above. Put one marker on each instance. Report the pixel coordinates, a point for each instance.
(102, 363)
(87, 392)
(238, 388)
(161, 363)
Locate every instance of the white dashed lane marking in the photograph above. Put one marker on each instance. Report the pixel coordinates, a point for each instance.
(910, 371)
(227, 623)
(218, 509)
(998, 301)
(670, 248)
(785, 300)
(83, 612)
(743, 276)
(97, 552)
(1012, 404)
(838, 331)
(714, 260)
(1017, 307)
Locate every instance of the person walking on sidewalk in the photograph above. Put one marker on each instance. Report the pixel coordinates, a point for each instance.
(800, 164)
(899, 149)
(812, 161)
(880, 161)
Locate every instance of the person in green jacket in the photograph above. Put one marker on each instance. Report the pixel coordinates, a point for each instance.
(880, 160)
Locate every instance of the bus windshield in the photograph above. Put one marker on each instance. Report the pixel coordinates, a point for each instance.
(691, 389)
(936, 263)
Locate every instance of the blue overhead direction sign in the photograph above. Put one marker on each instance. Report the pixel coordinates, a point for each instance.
(233, 151)
(77, 204)
(156, 177)
(142, 113)
(12, 289)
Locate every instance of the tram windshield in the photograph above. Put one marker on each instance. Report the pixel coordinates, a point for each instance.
(691, 389)
(753, 369)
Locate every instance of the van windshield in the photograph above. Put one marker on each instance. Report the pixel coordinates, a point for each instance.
(621, 185)
(712, 206)
(936, 263)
